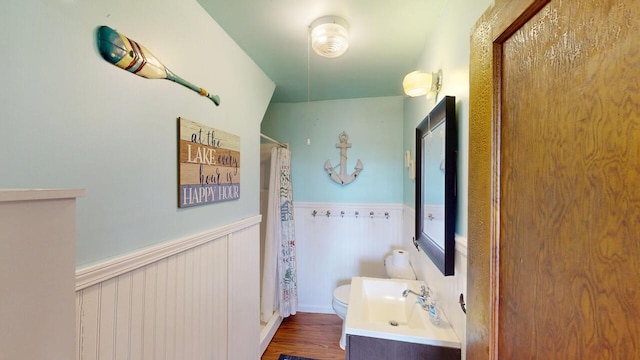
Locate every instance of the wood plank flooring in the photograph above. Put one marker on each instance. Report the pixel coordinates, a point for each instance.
(309, 335)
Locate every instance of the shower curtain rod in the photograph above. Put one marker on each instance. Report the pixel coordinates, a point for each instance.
(274, 140)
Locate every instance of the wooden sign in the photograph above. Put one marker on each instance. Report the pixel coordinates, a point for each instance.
(208, 164)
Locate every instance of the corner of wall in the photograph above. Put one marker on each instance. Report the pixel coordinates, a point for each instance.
(446, 288)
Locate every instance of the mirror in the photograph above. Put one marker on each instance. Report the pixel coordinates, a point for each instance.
(436, 152)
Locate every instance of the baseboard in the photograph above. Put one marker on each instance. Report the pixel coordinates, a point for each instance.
(316, 309)
(269, 330)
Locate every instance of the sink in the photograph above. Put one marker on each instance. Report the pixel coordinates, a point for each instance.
(377, 309)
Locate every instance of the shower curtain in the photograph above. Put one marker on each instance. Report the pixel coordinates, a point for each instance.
(279, 278)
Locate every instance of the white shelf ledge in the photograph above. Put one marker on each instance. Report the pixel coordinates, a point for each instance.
(39, 194)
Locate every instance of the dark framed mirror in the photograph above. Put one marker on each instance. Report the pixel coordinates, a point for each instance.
(436, 164)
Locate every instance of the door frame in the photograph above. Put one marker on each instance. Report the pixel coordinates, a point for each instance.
(495, 26)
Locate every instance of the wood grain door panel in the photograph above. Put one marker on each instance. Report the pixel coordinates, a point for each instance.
(565, 166)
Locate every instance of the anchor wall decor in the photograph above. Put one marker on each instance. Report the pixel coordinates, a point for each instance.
(343, 178)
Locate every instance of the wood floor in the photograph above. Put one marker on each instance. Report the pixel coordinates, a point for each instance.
(309, 335)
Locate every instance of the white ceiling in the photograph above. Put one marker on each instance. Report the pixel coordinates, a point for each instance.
(387, 39)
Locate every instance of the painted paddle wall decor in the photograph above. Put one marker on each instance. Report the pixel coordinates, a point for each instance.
(209, 165)
(127, 54)
(343, 178)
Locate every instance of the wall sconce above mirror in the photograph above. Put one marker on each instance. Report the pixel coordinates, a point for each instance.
(418, 83)
(436, 168)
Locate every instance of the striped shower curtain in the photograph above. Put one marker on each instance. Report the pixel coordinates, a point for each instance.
(280, 243)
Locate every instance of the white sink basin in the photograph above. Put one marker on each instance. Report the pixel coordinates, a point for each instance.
(377, 309)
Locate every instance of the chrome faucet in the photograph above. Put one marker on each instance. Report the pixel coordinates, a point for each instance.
(423, 299)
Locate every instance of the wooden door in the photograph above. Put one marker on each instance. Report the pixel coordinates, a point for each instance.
(554, 181)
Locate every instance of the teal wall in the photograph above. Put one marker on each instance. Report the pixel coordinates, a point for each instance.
(69, 119)
(448, 49)
(374, 126)
(381, 147)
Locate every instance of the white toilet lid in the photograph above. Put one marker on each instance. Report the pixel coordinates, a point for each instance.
(341, 294)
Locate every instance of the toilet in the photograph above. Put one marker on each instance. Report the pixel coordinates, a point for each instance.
(340, 301)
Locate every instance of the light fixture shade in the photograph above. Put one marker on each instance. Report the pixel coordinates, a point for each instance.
(417, 83)
(329, 36)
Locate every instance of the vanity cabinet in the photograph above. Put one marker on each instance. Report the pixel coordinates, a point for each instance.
(367, 348)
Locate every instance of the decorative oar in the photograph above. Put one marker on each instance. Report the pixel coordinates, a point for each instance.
(135, 58)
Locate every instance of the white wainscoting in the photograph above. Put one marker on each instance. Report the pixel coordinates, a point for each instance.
(332, 249)
(447, 288)
(193, 298)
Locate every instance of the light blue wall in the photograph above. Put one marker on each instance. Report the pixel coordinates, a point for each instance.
(69, 119)
(374, 126)
(447, 48)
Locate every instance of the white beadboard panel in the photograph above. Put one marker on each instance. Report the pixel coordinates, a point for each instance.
(123, 316)
(88, 311)
(162, 278)
(178, 315)
(244, 289)
(332, 249)
(217, 284)
(447, 288)
(77, 328)
(195, 298)
(107, 319)
(137, 315)
(170, 337)
(187, 312)
(149, 310)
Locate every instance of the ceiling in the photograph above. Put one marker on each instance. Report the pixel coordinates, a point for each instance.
(386, 37)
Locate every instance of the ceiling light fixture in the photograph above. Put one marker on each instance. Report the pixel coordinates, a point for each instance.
(417, 83)
(330, 36)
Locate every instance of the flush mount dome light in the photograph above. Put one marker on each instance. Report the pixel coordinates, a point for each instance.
(329, 36)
